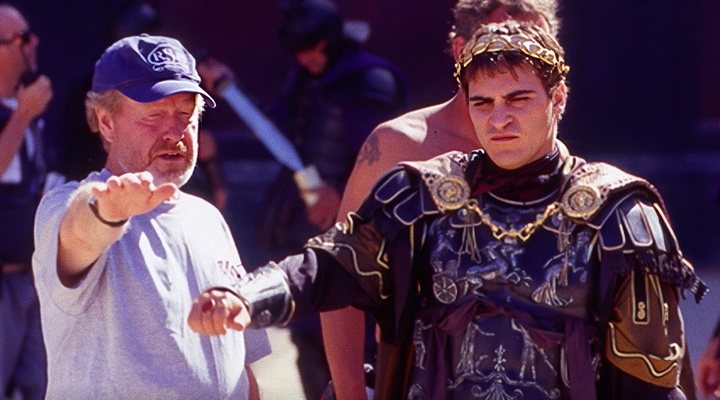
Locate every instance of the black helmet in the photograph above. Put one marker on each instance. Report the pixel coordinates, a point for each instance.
(136, 17)
(307, 22)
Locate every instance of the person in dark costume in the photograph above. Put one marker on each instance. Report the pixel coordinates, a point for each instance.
(331, 100)
(515, 271)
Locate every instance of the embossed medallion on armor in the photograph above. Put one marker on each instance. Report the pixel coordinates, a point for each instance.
(450, 192)
(444, 288)
(581, 201)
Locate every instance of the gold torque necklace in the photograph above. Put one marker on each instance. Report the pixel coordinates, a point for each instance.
(523, 203)
(523, 233)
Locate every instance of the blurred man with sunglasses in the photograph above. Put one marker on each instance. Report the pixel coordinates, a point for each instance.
(24, 96)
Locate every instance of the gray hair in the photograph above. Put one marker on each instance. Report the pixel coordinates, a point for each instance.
(110, 100)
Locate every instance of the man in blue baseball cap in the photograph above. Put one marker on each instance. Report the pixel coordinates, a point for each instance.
(148, 68)
(120, 256)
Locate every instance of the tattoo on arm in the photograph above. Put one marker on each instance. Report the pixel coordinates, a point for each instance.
(370, 151)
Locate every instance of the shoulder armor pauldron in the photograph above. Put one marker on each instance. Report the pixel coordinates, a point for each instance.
(392, 185)
(444, 179)
(402, 197)
(639, 227)
(415, 189)
(594, 187)
(631, 217)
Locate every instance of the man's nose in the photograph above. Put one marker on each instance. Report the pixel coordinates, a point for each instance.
(175, 131)
(500, 117)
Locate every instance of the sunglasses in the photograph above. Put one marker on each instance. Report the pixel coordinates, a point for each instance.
(24, 37)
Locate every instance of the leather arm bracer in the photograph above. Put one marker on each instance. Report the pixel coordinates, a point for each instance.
(267, 296)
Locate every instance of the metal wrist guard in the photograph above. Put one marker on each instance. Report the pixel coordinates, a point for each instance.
(266, 294)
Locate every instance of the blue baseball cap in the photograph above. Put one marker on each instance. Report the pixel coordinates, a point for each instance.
(147, 68)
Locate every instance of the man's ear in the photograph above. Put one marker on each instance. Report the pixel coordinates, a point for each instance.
(457, 43)
(559, 98)
(105, 124)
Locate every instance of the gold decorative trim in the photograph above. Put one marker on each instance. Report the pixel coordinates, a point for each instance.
(641, 311)
(348, 225)
(523, 233)
(382, 257)
(449, 192)
(382, 294)
(678, 352)
(622, 235)
(657, 287)
(581, 201)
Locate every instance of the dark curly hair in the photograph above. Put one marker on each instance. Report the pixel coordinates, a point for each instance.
(471, 14)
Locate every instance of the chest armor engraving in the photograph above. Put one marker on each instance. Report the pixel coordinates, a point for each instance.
(511, 293)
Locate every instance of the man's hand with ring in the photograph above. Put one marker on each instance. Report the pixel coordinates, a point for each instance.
(217, 310)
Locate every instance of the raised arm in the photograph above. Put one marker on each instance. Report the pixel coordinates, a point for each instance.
(32, 101)
(96, 218)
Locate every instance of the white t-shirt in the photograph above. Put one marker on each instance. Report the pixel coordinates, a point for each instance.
(121, 333)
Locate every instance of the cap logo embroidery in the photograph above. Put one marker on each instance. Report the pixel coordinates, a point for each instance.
(164, 57)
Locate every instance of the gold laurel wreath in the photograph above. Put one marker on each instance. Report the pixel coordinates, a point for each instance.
(496, 38)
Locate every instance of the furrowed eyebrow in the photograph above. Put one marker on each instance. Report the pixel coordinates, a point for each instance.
(479, 98)
(518, 93)
(508, 96)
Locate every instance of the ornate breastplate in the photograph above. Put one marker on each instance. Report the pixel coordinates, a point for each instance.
(504, 278)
